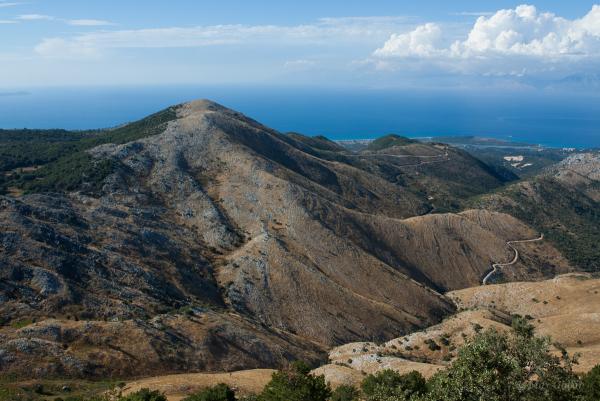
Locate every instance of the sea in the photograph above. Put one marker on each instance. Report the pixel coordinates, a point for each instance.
(548, 118)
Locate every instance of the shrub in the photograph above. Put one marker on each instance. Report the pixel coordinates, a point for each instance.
(500, 366)
(296, 384)
(388, 383)
(433, 346)
(220, 392)
(522, 327)
(345, 393)
(144, 395)
(591, 385)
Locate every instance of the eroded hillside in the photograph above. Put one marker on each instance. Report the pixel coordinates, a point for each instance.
(211, 242)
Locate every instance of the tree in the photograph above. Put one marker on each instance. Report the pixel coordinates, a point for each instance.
(591, 385)
(522, 327)
(220, 392)
(389, 384)
(296, 384)
(345, 393)
(506, 367)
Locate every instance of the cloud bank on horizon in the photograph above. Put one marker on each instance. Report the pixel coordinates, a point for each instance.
(512, 39)
(522, 42)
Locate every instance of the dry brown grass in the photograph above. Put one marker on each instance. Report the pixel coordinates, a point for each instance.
(566, 308)
(177, 387)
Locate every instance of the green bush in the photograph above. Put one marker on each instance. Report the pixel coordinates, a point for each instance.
(591, 385)
(505, 367)
(522, 327)
(296, 384)
(220, 392)
(345, 393)
(144, 395)
(388, 383)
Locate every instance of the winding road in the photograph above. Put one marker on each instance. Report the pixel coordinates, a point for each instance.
(498, 266)
(432, 159)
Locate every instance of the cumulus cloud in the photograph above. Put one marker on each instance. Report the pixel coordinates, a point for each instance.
(516, 37)
(422, 42)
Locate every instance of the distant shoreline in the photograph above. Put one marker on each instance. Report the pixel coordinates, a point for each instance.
(468, 140)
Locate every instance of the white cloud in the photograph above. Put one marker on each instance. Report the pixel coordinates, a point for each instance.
(60, 48)
(4, 4)
(35, 17)
(301, 64)
(74, 22)
(7, 21)
(523, 31)
(89, 22)
(327, 31)
(509, 40)
(421, 42)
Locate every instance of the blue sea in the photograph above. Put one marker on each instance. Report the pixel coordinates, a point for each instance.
(534, 116)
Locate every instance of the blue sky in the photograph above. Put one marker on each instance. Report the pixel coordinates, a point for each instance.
(374, 43)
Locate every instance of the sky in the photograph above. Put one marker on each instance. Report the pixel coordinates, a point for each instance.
(372, 43)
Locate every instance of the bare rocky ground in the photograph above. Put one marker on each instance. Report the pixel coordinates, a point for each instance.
(221, 244)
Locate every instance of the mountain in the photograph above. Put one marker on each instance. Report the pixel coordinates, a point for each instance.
(563, 202)
(198, 239)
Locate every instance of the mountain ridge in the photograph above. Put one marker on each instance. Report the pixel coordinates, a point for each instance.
(219, 244)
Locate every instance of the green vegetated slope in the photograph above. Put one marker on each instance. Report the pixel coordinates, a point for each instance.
(389, 141)
(317, 142)
(566, 214)
(446, 175)
(57, 161)
(534, 161)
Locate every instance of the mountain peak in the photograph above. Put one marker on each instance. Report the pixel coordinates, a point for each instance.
(200, 107)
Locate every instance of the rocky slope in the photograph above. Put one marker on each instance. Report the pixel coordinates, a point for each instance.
(216, 243)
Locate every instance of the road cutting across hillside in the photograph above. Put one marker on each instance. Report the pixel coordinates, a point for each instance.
(497, 266)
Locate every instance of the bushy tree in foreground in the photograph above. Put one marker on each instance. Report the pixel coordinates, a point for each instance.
(507, 367)
(296, 384)
(345, 393)
(591, 385)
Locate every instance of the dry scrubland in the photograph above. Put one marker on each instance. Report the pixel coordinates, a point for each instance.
(564, 308)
